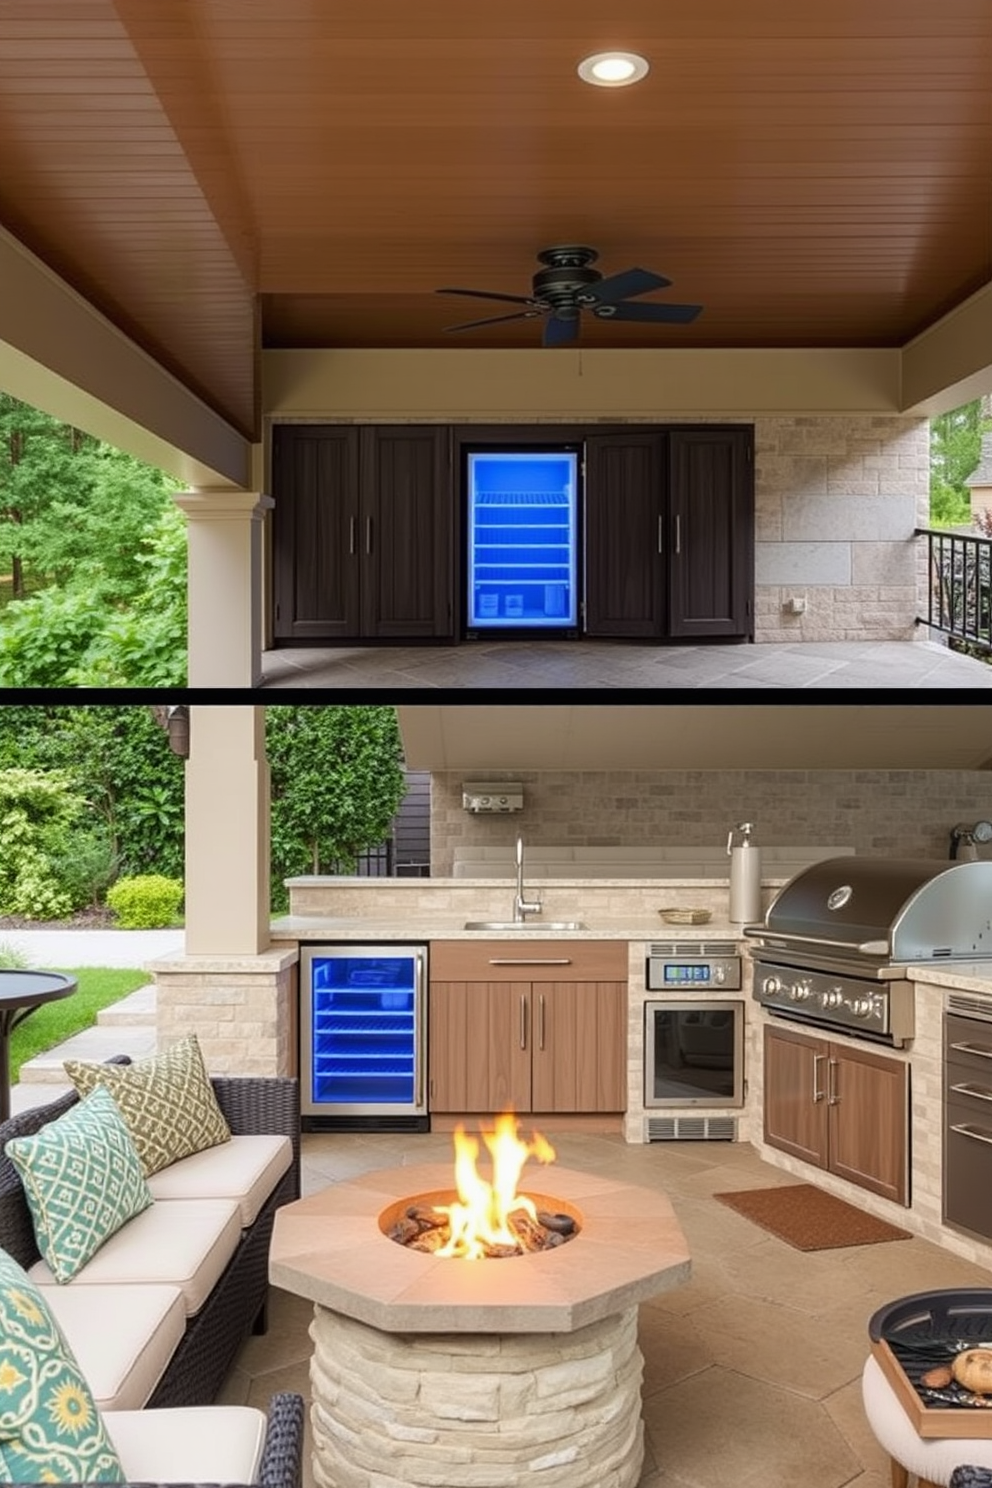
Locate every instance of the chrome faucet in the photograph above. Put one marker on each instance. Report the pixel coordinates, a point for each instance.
(521, 907)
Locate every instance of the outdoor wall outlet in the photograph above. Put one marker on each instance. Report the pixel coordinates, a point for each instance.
(496, 796)
(796, 605)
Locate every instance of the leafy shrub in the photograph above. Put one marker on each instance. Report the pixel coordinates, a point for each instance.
(86, 862)
(12, 958)
(37, 811)
(146, 902)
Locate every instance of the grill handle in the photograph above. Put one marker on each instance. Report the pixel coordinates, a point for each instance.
(866, 948)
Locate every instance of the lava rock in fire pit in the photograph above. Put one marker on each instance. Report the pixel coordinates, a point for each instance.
(562, 1224)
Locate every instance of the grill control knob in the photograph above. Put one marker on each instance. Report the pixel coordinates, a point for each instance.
(862, 1007)
(799, 991)
(833, 998)
(719, 975)
(771, 985)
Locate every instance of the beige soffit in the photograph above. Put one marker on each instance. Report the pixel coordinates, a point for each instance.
(655, 736)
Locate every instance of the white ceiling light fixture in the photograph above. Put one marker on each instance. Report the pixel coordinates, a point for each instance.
(613, 69)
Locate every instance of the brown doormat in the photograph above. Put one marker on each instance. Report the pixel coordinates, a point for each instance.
(810, 1218)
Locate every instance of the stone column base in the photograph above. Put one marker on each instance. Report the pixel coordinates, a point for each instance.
(476, 1410)
(241, 1008)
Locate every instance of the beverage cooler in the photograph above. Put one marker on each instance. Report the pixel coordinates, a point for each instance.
(363, 1020)
(522, 527)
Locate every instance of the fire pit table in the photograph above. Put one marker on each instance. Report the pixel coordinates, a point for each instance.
(476, 1373)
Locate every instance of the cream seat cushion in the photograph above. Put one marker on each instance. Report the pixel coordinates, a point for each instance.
(933, 1458)
(189, 1444)
(183, 1242)
(122, 1343)
(245, 1169)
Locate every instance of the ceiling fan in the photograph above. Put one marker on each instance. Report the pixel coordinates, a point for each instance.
(567, 285)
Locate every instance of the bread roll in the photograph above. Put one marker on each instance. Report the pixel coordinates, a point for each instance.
(973, 1369)
(938, 1378)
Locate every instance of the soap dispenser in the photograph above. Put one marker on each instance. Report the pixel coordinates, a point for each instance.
(745, 875)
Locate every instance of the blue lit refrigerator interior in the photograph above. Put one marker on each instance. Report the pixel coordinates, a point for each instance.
(522, 524)
(362, 1037)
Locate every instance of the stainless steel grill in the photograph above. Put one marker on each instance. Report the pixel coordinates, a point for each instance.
(835, 944)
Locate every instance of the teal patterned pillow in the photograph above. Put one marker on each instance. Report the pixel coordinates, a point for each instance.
(83, 1180)
(50, 1428)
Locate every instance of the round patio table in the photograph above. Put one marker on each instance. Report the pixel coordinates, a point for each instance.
(20, 993)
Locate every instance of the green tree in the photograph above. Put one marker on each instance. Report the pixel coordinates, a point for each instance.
(955, 448)
(337, 779)
(37, 811)
(38, 465)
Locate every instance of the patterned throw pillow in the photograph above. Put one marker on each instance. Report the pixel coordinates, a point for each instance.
(166, 1100)
(83, 1180)
(50, 1428)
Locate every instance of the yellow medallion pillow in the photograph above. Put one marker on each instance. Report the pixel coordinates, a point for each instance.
(50, 1428)
(166, 1100)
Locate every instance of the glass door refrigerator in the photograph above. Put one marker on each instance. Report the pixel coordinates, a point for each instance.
(522, 527)
(362, 1037)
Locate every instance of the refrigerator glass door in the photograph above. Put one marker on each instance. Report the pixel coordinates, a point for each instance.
(522, 526)
(361, 1030)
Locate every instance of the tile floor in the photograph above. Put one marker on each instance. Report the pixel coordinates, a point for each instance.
(616, 664)
(752, 1369)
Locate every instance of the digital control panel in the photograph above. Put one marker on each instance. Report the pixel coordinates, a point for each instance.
(673, 967)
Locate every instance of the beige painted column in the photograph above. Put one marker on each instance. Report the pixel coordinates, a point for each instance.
(227, 831)
(230, 987)
(224, 541)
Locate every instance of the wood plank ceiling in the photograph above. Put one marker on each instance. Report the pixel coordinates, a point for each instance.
(219, 175)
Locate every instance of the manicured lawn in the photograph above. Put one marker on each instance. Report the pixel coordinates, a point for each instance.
(99, 986)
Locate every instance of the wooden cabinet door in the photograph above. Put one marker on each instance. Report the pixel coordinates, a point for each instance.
(315, 532)
(796, 1094)
(405, 535)
(711, 515)
(624, 535)
(580, 1046)
(868, 1112)
(479, 1046)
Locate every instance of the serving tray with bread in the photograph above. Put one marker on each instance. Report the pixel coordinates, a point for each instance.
(935, 1349)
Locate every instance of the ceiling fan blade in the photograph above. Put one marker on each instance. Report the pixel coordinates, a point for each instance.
(483, 294)
(560, 331)
(674, 314)
(620, 286)
(494, 320)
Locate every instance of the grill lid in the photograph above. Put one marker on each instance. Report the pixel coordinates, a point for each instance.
(903, 909)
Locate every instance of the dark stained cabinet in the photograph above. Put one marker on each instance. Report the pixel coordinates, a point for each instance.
(361, 532)
(669, 545)
(711, 522)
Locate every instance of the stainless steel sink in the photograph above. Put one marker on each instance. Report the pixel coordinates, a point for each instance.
(537, 925)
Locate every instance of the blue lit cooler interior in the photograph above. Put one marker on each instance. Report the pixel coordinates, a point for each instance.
(364, 1029)
(522, 524)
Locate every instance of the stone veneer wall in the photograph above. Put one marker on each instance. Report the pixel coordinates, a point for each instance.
(894, 813)
(241, 1008)
(836, 503)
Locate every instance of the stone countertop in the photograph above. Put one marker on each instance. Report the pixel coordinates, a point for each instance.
(450, 927)
(964, 976)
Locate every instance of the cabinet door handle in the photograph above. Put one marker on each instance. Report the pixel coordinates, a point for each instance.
(540, 1009)
(976, 1136)
(661, 534)
(530, 960)
(817, 1092)
(523, 1021)
(678, 535)
(368, 534)
(351, 536)
(833, 1099)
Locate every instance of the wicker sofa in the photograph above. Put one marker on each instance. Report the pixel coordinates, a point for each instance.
(196, 1351)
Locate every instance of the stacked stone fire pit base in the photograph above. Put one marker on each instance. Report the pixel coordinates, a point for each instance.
(440, 1372)
(394, 1411)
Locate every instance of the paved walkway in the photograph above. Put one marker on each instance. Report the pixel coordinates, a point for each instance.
(544, 665)
(66, 948)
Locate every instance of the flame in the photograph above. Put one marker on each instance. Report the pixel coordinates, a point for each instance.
(481, 1217)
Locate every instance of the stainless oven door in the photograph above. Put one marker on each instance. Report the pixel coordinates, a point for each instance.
(693, 1052)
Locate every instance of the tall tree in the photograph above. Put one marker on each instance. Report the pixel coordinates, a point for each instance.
(955, 449)
(39, 465)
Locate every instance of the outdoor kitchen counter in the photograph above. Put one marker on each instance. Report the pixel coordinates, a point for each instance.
(963, 976)
(421, 927)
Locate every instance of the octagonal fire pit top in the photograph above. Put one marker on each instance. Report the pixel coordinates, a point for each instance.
(331, 1247)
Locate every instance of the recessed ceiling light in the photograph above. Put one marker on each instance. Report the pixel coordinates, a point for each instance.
(613, 69)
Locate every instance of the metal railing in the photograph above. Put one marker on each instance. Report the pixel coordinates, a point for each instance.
(959, 598)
